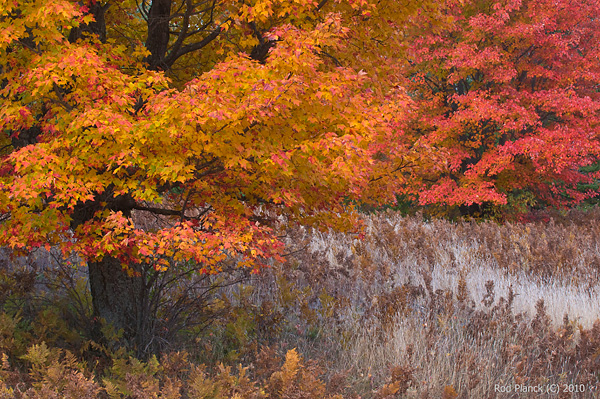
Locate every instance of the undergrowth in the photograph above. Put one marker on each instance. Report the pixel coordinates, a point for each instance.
(414, 310)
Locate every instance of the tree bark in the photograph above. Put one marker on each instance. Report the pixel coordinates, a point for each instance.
(120, 299)
(158, 33)
(117, 298)
(96, 27)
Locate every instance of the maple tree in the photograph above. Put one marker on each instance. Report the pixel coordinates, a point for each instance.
(506, 99)
(217, 117)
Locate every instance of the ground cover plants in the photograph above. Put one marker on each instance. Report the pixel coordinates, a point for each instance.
(416, 309)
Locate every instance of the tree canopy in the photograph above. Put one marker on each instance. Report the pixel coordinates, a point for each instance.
(507, 94)
(103, 125)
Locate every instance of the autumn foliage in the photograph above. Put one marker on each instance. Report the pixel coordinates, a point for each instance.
(216, 153)
(506, 98)
(140, 145)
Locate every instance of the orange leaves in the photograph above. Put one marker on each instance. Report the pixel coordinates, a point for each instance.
(16, 116)
(117, 236)
(263, 10)
(239, 142)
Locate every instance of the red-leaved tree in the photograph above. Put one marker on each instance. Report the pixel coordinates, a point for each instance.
(506, 100)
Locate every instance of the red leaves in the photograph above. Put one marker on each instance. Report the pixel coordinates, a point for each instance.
(506, 92)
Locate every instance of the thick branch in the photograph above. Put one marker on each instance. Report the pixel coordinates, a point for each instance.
(183, 34)
(193, 47)
(158, 211)
(321, 4)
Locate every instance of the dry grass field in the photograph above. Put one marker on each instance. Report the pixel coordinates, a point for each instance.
(472, 309)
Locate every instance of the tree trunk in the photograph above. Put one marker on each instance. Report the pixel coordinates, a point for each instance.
(117, 298)
(96, 27)
(158, 33)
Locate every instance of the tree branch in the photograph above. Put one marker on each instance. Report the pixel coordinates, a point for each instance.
(193, 47)
(321, 4)
(335, 60)
(158, 211)
(183, 34)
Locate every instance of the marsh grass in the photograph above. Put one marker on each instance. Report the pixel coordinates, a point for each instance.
(465, 307)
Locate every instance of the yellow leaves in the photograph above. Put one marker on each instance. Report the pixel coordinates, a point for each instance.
(10, 33)
(162, 264)
(16, 116)
(47, 22)
(293, 131)
(244, 164)
(261, 11)
(225, 25)
(38, 355)
(290, 368)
